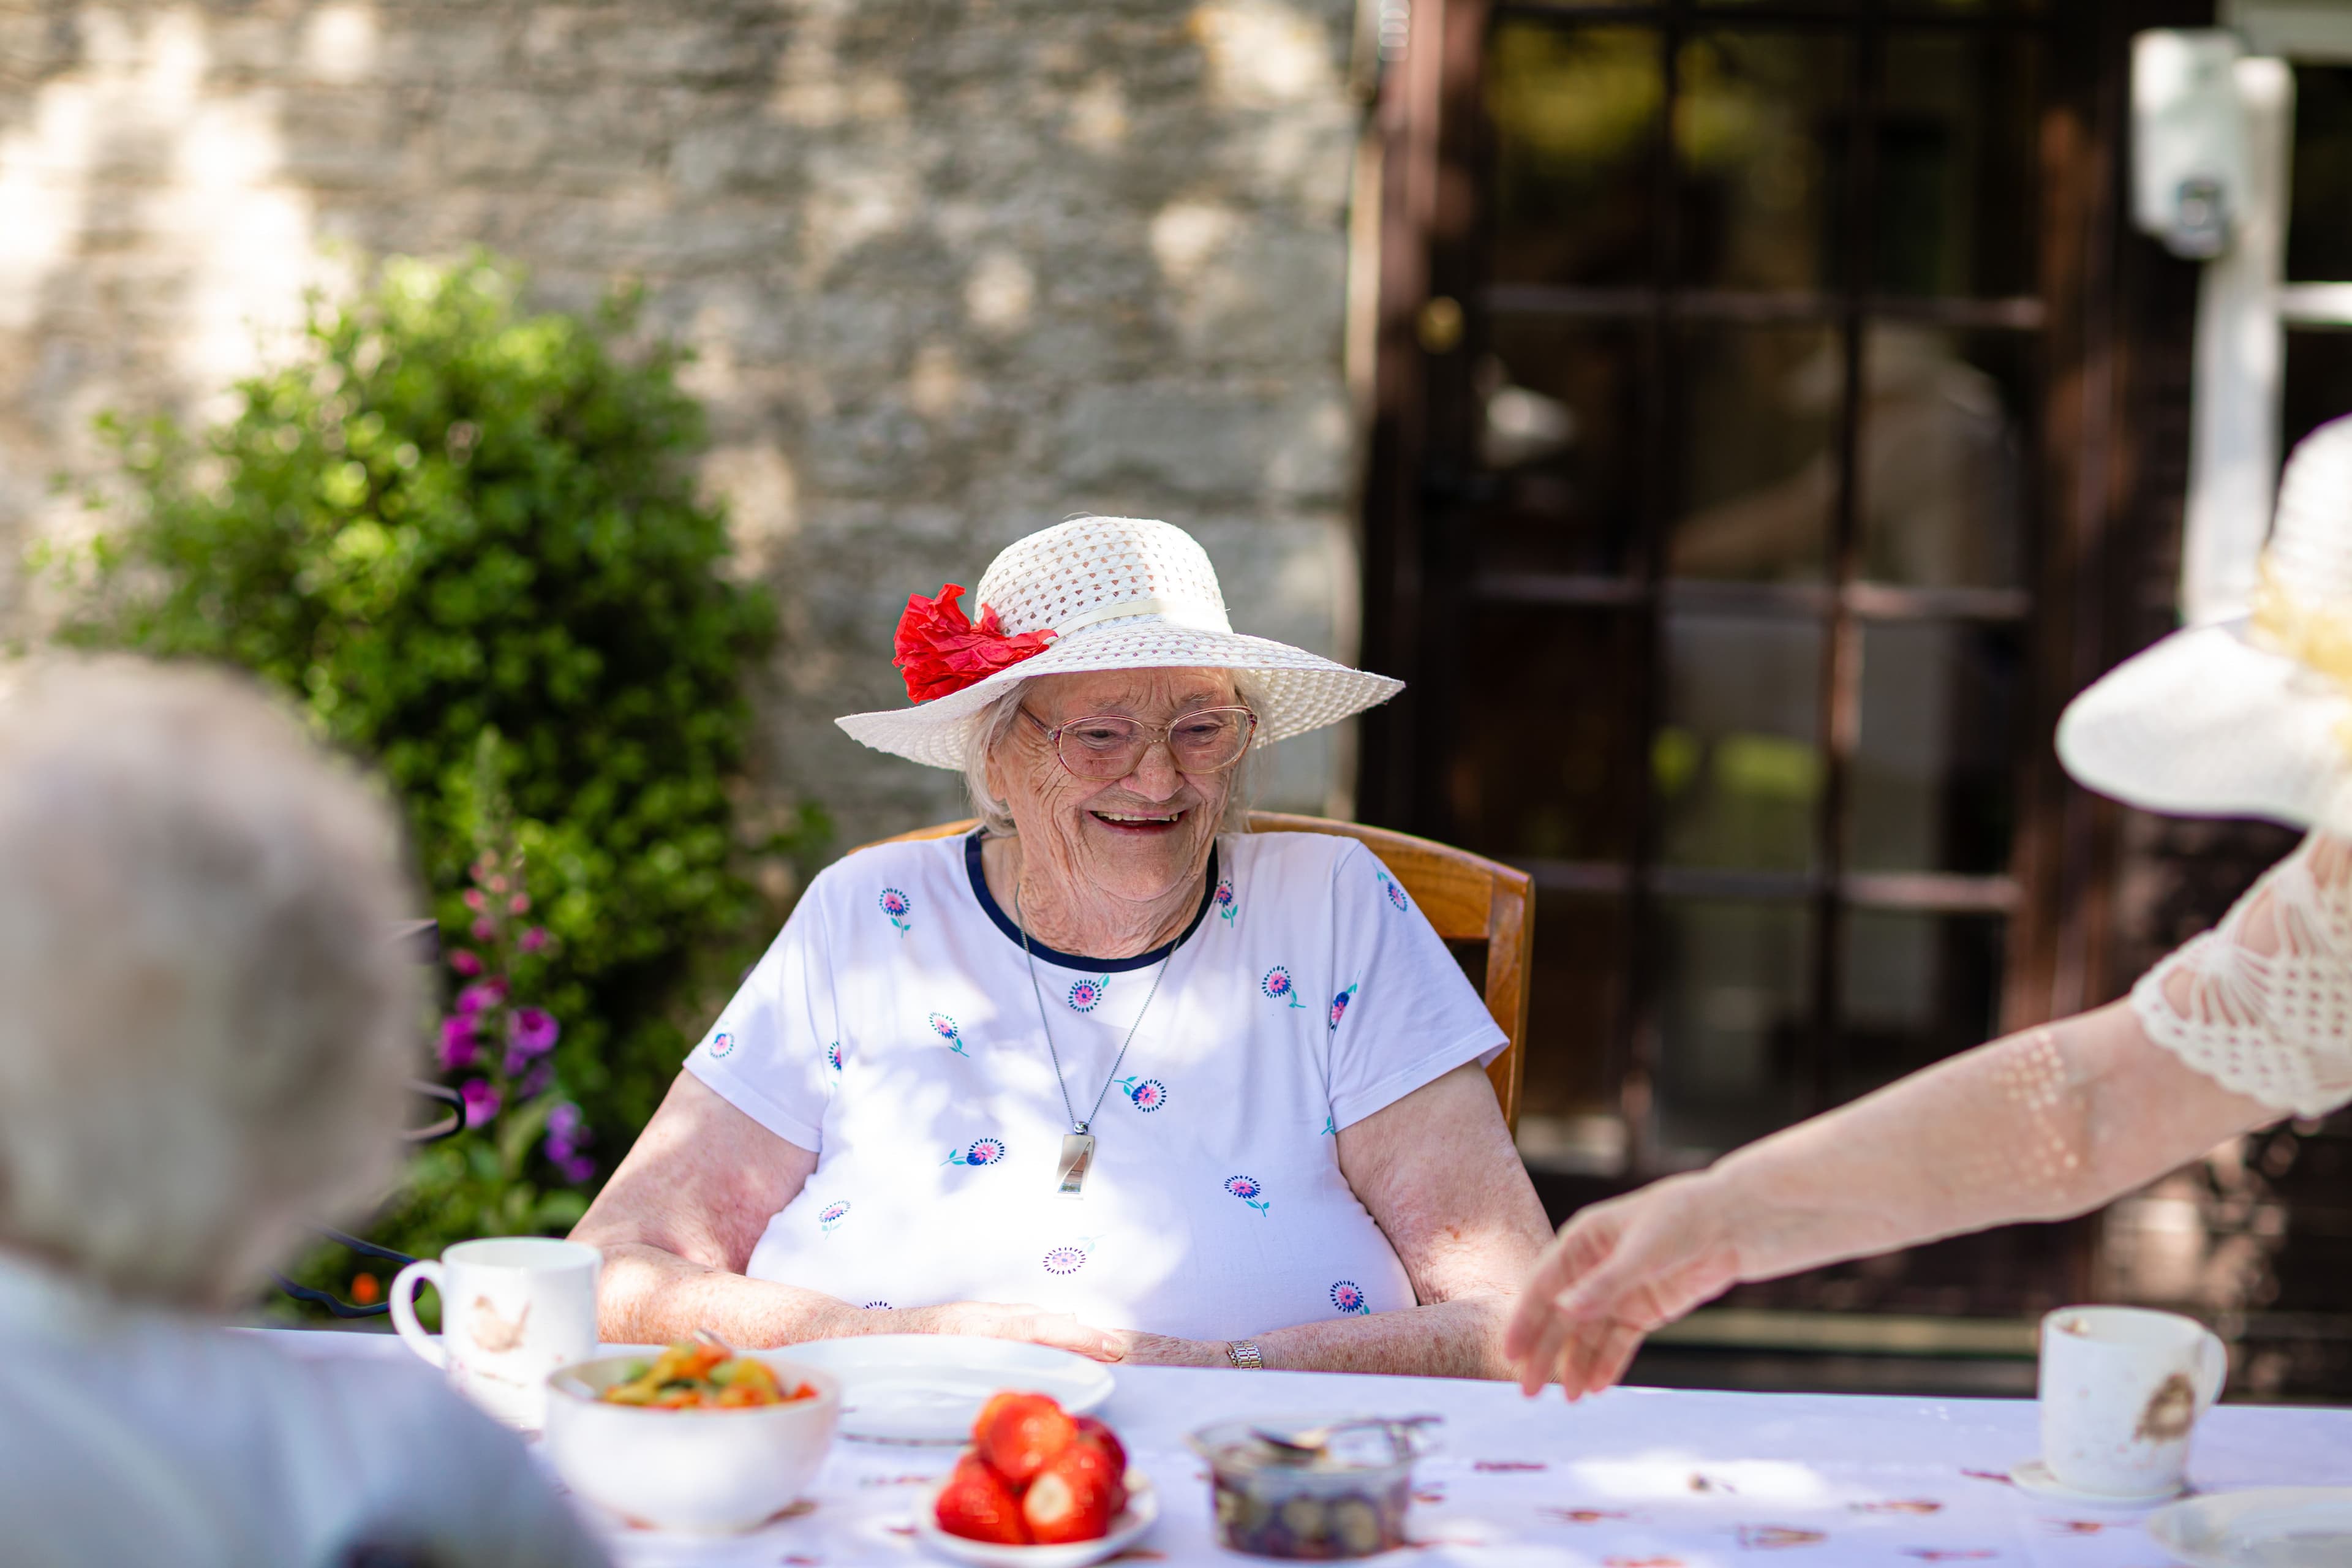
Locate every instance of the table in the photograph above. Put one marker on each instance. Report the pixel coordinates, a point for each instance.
(1633, 1479)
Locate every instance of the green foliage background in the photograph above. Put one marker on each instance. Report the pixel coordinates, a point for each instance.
(447, 517)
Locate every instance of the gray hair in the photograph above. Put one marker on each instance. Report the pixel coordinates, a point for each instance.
(989, 726)
(206, 1024)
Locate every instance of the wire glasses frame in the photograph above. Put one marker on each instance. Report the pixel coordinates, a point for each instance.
(1107, 746)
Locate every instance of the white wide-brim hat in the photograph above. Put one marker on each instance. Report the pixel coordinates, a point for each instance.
(1121, 593)
(2248, 717)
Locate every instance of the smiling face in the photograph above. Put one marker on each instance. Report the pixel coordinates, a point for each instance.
(1137, 840)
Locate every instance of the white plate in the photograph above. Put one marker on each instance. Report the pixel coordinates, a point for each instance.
(2034, 1476)
(926, 1388)
(1142, 1513)
(2268, 1527)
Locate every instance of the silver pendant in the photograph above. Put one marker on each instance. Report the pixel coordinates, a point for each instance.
(1078, 1154)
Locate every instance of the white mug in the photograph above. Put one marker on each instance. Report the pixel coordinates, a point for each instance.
(513, 1309)
(2121, 1386)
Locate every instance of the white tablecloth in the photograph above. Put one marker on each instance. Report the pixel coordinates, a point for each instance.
(1633, 1479)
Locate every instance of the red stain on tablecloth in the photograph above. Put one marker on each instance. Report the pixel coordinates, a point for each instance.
(1778, 1537)
(2078, 1526)
(1581, 1515)
(1989, 1476)
(1640, 1563)
(1899, 1505)
(1946, 1554)
(1509, 1467)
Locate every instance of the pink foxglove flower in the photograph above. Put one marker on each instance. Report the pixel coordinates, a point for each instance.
(481, 1101)
(534, 1030)
(457, 1044)
(534, 939)
(465, 962)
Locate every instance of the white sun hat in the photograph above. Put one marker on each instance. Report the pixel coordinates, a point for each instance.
(2250, 717)
(1099, 592)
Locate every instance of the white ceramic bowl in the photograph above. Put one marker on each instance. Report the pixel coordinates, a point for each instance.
(706, 1472)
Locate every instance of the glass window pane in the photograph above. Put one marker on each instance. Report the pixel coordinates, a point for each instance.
(1757, 134)
(1733, 1017)
(1957, 164)
(1541, 765)
(1757, 476)
(1578, 981)
(1737, 762)
(1561, 442)
(1916, 988)
(1575, 117)
(1931, 780)
(2318, 384)
(1943, 481)
(2319, 220)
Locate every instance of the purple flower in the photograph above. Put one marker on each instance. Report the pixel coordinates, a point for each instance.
(577, 1169)
(457, 1044)
(564, 1121)
(481, 1101)
(484, 928)
(534, 939)
(534, 1031)
(535, 1082)
(473, 900)
(519, 904)
(474, 998)
(464, 963)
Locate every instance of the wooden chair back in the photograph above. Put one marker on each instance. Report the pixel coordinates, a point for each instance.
(1467, 897)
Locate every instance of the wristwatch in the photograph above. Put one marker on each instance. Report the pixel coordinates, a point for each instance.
(1244, 1354)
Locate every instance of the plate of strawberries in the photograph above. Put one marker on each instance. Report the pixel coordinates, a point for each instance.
(1039, 1487)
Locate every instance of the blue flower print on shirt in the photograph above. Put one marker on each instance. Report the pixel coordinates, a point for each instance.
(1348, 1297)
(831, 1215)
(875, 1307)
(722, 1044)
(1277, 984)
(1396, 894)
(984, 1152)
(1227, 908)
(1247, 1189)
(833, 1056)
(1087, 994)
(1339, 1005)
(899, 906)
(1065, 1261)
(1146, 1094)
(945, 1028)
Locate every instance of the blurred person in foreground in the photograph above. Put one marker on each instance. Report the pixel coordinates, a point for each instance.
(2243, 1026)
(205, 1033)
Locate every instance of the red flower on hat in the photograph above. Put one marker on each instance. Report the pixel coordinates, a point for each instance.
(941, 651)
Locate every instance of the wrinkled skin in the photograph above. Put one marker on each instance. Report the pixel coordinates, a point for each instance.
(1090, 878)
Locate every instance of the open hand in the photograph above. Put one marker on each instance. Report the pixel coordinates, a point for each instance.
(1617, 1271)
(1000, 1321)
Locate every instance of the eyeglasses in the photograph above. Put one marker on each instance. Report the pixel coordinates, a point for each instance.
(1107, 746)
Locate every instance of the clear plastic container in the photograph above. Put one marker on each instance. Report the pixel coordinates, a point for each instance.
(1338, 1489)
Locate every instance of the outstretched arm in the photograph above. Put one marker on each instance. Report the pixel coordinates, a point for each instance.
(2040, 1125)
(677, 1222)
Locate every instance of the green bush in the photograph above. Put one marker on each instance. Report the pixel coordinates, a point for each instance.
(445, 518)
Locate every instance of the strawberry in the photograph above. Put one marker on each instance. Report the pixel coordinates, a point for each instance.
(1074, 1498)
(977, 1505)
(1019, 1434)
(1107, 1440)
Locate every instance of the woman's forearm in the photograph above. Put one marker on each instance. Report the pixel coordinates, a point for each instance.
(2042, 1125)
(1460, 1338)
(652, 1297)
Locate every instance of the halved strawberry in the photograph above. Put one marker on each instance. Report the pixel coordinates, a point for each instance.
(1019, 1434)
(1074, 1497)
(977, 1505)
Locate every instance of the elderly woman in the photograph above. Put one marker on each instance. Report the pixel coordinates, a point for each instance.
(2246, 1025)
(1108, 1073)
(202, 1045)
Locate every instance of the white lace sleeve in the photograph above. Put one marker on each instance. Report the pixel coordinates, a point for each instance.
(2263, 1002)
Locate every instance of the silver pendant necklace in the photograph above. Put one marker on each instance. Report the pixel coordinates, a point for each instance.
(1078, 1143)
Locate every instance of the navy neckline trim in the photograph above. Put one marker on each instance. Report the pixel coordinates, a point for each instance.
(1079, 961)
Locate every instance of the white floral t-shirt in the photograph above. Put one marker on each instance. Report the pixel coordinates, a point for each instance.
(892, 1028)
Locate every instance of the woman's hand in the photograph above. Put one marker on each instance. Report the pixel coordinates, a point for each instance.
(1000, 1321)
(1616, 1271)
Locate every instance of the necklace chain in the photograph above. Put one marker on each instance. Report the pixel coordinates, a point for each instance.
(1038, 991)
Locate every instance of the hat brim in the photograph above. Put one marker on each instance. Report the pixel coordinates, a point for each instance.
(1301, 691)
(2208, 723)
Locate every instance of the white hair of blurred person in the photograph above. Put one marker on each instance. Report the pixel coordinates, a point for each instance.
(206, 1023)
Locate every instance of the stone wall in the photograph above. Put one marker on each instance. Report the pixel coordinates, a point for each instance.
(954, 270)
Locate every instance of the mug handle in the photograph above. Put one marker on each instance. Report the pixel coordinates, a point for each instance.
(2213, 1366)
(403, 1296)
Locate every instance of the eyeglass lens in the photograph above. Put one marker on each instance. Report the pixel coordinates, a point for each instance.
(1110, 747)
